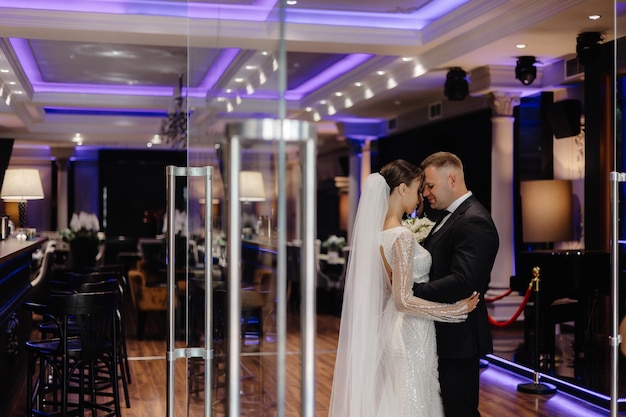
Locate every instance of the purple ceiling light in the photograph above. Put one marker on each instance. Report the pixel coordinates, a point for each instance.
(258, 11)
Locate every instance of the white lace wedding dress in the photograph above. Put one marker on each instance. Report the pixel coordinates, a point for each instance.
(412, 348)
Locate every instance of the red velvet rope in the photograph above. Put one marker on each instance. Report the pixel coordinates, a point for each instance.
(517, 313)
(499, 297)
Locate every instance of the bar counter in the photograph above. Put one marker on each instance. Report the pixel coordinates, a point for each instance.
(15, 322)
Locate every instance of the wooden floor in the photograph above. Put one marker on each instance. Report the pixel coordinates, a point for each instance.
(499, 396)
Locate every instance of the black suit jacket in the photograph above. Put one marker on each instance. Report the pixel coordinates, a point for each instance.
(463, 252)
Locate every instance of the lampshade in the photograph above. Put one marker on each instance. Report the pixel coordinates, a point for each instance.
(252, 187)
(547, 211)
(21, 185)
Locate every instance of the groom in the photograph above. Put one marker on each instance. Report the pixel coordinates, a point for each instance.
(463, 246)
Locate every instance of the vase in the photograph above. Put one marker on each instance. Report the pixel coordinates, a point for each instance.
(83, 253)
(333, 256)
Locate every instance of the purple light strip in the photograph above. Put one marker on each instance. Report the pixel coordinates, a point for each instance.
(258, 11)
(433, 10)
(31, 70)
(222, 62)
(224, 59)
(562, 384)
(340, 68)
(573, 406)
(415, 21)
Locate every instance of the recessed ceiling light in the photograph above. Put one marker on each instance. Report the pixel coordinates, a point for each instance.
(407, 58)
(380, 72)
(250, 67)
(520, 46)
(594, 17)
(358, 84)
(309, 109)
(228, 90)
(291, 2)
(322, 101)
(149, 144)
(339, 94)
(11, 83)
(238, 80)
(4, 70)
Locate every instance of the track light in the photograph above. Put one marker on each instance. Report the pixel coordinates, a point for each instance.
(525, 70)
(588, 46)
(456, 87)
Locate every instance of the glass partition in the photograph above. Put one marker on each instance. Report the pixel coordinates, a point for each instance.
(566, 337)
(581, 358)
(251, 227)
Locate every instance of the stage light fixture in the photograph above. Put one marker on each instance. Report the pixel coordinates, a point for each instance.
(588, 46)
(525, 70)
(456, 87)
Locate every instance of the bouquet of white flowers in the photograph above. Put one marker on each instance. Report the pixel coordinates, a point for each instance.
(84, 238)
(420, 226)
(334, 243)
(82, 225)
(180, 222)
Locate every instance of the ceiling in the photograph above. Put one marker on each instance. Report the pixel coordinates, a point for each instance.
(109, 69)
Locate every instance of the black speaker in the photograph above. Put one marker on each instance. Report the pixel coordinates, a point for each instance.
(564, 118)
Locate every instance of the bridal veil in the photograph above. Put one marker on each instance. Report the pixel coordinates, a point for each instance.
(362, 383)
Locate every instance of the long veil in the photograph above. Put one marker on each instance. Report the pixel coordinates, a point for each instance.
(362, 384)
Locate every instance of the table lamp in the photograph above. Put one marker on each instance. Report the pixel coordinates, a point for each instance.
(547, 214)
(21, 185)
(252, 186)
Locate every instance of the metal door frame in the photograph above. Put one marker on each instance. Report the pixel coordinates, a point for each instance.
(203, 352)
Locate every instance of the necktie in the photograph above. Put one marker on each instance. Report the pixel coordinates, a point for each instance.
(439, 222)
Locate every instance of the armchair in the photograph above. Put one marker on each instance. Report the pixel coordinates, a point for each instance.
(148, 290)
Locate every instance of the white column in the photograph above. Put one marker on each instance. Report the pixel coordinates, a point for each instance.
(502, 201)
(62, 155)
(62, 213)
(502, 198)
(354, 181)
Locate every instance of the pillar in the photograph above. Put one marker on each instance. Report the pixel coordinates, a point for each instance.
(62, 156)
(502, 185)
(502, 199)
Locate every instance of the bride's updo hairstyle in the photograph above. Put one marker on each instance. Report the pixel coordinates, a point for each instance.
(400, 171)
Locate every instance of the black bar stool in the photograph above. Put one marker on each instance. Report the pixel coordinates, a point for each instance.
(81, 369)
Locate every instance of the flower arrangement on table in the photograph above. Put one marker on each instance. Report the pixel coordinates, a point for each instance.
(334, 243)
(420, 226)
(180, 223)
(83, 226)
(84, 237)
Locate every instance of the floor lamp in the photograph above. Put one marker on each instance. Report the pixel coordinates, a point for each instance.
(21, 185)
(546, 217)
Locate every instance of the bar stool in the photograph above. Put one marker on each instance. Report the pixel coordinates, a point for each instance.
(84, 365)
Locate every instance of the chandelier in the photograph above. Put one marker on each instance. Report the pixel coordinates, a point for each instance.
(174, 129)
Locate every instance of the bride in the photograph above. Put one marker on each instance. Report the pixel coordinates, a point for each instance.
(386, 364)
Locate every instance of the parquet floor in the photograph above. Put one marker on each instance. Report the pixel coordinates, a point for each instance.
(499, 396)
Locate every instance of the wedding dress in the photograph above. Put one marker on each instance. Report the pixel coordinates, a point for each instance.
(386, 362)
(412, 346)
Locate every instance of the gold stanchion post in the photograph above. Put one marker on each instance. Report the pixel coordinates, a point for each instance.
(536, 387)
